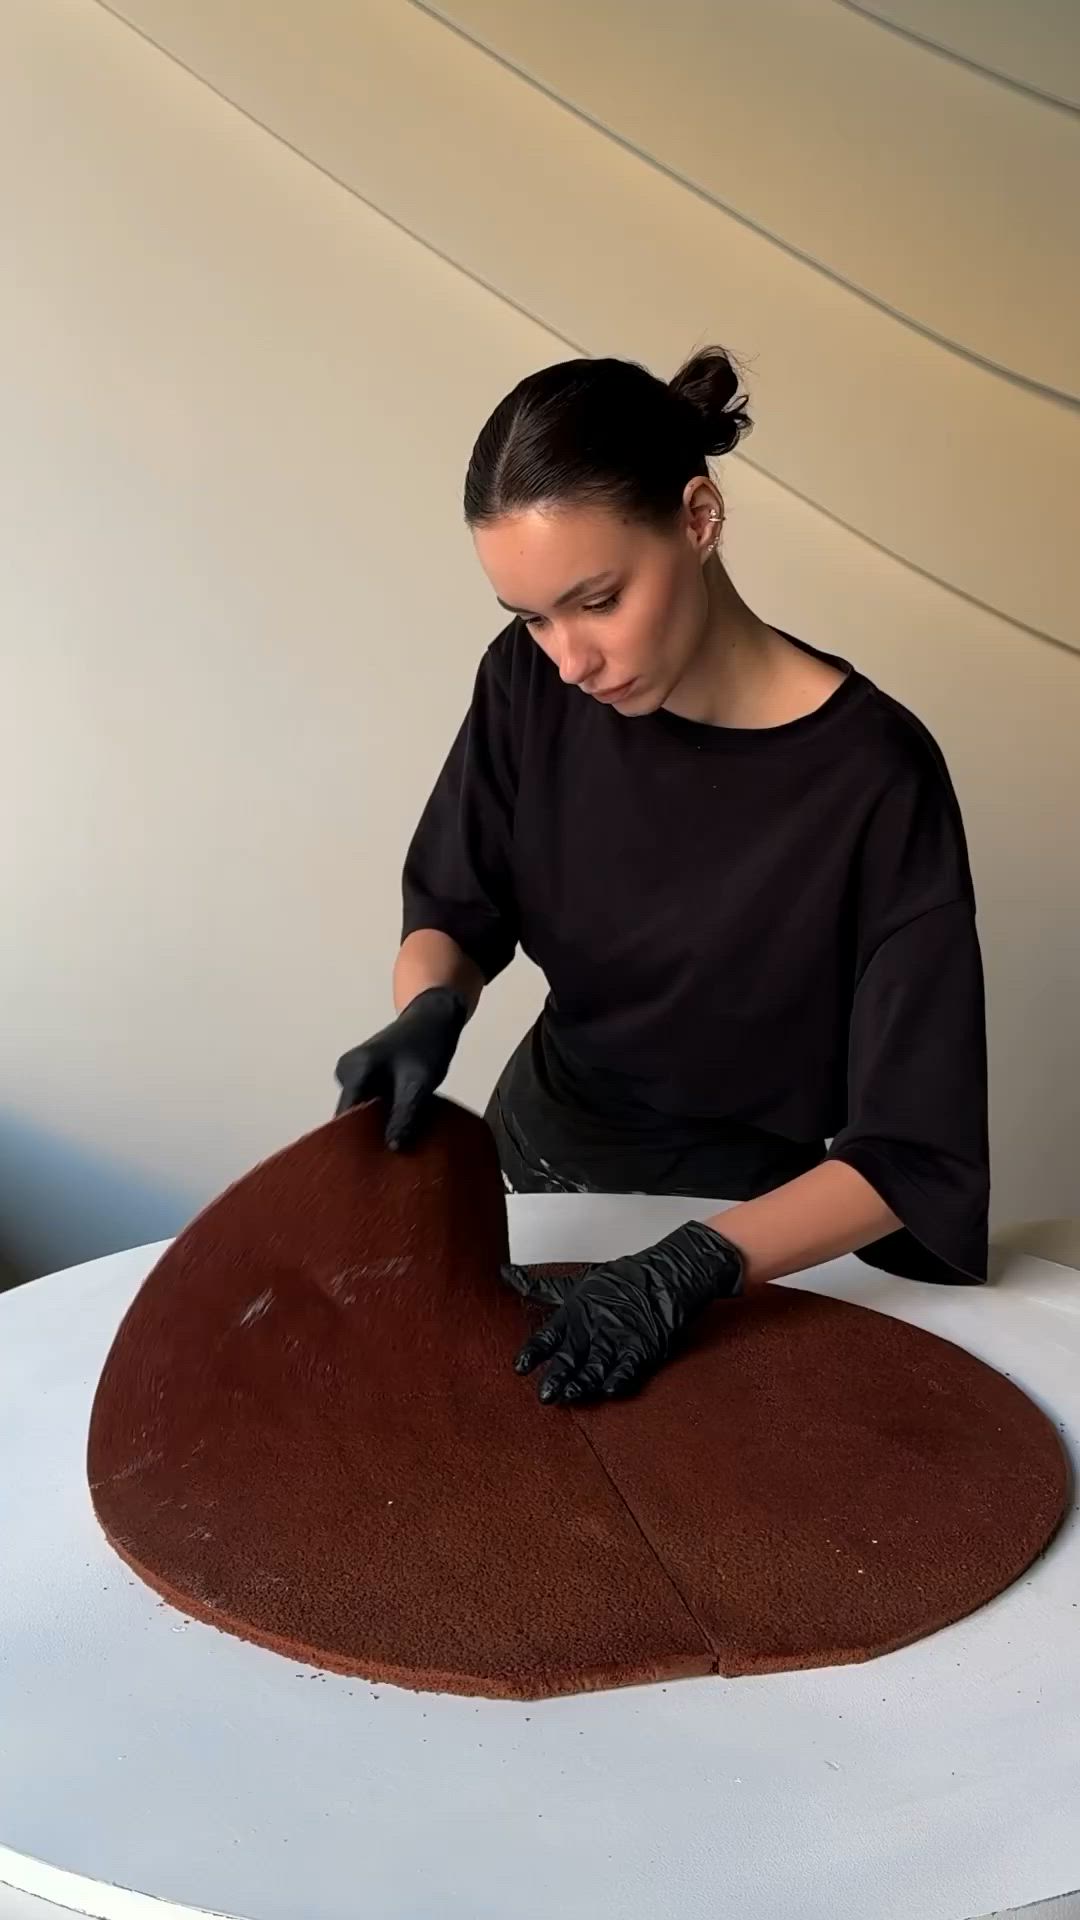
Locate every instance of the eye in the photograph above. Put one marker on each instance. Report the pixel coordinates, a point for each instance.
(533, 619)
(601, 606)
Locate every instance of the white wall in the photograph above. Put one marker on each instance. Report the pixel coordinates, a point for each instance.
(240, 615)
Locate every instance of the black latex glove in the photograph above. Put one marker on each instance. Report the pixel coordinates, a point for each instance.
(622, 1320)
(406, 1063)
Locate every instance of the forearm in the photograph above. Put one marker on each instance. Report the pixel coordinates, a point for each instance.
(431, 959)
(829, 1211)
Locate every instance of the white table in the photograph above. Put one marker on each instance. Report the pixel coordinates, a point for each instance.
(141, 1753)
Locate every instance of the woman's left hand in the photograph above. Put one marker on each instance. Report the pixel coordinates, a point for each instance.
(623, 1319)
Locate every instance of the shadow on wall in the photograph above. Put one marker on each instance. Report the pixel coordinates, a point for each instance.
(62, 1202)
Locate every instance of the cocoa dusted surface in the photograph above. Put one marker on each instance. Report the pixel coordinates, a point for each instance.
(308, 1432)
(825, 1483)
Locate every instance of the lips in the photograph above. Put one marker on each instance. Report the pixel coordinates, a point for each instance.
(608, 694)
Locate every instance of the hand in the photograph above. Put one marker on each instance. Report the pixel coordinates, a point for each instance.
(622, 1320)
(405, 1063)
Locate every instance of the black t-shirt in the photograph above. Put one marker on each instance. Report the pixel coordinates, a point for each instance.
(756, 940)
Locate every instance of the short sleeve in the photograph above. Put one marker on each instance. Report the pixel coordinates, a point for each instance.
(457, 876)
(916, 1126)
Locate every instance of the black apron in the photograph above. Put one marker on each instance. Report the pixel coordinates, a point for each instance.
(561, 1129)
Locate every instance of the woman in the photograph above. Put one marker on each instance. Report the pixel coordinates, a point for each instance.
(740, 866)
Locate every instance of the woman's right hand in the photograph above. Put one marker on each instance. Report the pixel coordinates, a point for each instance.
(406, 1062)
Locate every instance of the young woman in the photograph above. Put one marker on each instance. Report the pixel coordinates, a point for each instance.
(740, 866)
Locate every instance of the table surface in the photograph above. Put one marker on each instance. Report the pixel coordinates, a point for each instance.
(147, 1760)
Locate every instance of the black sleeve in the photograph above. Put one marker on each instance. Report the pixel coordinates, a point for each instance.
(916, 1125)
(457, 875)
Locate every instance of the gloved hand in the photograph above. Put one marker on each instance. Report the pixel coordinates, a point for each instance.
(622, 1320)
(406, 1062)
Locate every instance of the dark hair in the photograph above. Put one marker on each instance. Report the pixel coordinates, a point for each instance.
(605, 431)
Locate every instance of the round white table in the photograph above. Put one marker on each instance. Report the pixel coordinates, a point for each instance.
(153, 1766)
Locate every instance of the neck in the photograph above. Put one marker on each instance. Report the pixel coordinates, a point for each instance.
(728, 681)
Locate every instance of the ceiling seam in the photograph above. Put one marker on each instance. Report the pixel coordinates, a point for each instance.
(1025, 382)
(515, 306)
(971, 65)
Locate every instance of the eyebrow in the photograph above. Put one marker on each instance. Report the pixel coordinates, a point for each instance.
(575, 592)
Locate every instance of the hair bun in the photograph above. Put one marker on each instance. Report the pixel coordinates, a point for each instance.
(709, 382)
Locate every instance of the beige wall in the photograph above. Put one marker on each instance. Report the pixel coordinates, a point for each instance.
(240, 615)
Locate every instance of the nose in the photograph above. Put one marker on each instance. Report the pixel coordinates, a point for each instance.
(576, 663)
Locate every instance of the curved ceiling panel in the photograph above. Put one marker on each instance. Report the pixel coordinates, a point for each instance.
(935, 192)
(1035, 45)
(956, 471)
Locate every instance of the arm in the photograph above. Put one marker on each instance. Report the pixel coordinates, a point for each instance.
(829, 1211)
(459, 921)
(622, 1318)
(912, 1156)
(431, 959)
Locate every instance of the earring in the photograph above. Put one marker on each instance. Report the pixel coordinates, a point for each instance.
(714, 544)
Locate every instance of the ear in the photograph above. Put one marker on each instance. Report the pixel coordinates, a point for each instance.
(704, 511)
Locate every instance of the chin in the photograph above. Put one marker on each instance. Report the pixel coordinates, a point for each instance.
(639, 702)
